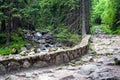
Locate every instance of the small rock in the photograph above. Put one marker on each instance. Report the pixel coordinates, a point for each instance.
(87, 59)
(52, 49)
(26, 64)
(28, 46)
(28, 75)
(38, 50)
(23, 53)
(23, 49)
(31, 53)
(37, 35)
(41, 41)
(71, 68)
(40, 64)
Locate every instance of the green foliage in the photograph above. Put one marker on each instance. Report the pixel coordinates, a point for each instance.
(64, 34)
(2, 38)
(108, 16)
(92, 30)
(53, 12)
(106, 12)
(106, 28)
(5, 51)
(17, 42)
(117, 31)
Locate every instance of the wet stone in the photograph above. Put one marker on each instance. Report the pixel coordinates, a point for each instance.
(37, 35)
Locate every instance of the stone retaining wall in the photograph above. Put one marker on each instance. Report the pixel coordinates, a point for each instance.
(42, 60)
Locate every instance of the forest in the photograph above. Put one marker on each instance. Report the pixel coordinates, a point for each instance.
(64, 18)
(105, 13)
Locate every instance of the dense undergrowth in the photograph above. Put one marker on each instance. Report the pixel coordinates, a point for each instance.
(17, 41)
(105, 13)
(15, 45)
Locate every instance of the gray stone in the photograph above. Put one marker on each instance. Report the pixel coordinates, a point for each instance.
(100, 60)
(88, 69)
(45, 77)
(37, 35)
(12, 77)
(70, 77)
(71, 68)
(104, 69)
(103, 74)
(78, 62)
(106, 60)
(2, 69)
(75, 53)
(81, 77)
(41, 41)
(71, 56)
(26, 64)
(40, 64)
(42, 47)
(65, 58)
(52, 49)
(109, 61)
(59, 59)
(28, 75)
(31, 53)
(28, 36)
(23, 53)
(87, 59)
(21, 74)
(23, 49)
(28, 46)
(38, 50)
(13, 66)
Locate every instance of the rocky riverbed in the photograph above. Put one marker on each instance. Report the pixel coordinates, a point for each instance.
(39, 43)
(102, 63)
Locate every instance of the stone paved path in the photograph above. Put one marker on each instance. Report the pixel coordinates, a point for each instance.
(101, 63)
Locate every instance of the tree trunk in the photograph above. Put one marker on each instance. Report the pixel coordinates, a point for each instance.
(3, 25)
(83, 18)
(8, 27)
(3, 22)
(8, 33)
(15, 22)
(87, 12)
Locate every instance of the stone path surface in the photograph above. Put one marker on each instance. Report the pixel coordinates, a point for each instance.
(101, 63)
